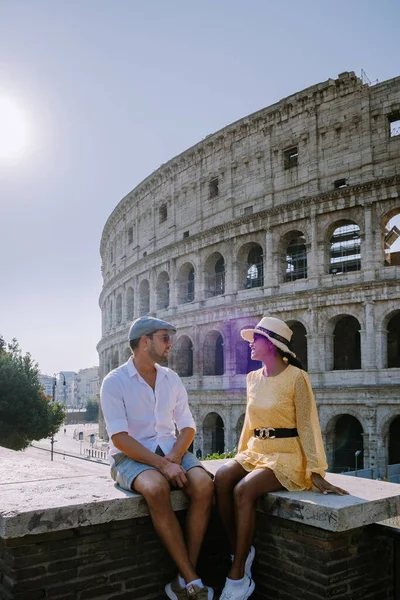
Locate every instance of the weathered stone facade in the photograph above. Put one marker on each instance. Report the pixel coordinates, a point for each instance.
(284, 212)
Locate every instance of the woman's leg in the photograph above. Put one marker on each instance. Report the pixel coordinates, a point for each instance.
(225, 481)
(246, 492)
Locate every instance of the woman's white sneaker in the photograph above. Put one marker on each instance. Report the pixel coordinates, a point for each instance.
(238, 591)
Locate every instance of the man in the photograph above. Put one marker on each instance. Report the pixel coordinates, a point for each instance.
(143, 403)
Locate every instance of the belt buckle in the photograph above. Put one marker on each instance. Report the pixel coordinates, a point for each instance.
(265, 433)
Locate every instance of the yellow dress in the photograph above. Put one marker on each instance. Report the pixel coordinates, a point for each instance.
(286, 400)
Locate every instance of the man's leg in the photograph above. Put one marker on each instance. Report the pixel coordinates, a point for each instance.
(200, 490)
(246, 492)
(156, 491)
(225, 480)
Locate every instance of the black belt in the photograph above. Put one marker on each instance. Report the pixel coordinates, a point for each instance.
(272, 432)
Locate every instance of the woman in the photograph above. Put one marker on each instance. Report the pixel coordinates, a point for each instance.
(280, 446)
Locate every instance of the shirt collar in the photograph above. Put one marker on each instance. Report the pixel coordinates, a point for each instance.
(133, 372)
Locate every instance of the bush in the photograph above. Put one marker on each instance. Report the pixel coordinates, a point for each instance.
(26, 414)
(217, 455)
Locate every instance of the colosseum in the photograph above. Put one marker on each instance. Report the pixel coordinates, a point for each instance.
(290, 211)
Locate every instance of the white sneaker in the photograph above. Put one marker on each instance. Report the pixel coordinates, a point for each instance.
(249, 561)
(238, 592)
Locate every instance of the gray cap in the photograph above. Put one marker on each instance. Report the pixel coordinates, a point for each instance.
(147, 325)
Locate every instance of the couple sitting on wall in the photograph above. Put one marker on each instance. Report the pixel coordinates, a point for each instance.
(280, 447)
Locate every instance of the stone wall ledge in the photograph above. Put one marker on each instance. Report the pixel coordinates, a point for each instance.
(37, 498)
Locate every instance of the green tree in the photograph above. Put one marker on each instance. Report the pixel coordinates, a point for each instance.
(26, 414)
(92, 410)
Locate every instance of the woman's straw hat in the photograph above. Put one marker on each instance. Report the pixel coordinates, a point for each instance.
(275, 330)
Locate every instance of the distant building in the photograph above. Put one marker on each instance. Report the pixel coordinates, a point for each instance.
(87, 385)
(46, 381)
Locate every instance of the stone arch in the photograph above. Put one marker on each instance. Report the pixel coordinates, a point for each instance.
(127, 354)
(184, 356)
(118, 309)
(239, 427)
(213, 354)
(390, 237)
(394, 441)
(185, 283)
(114, 359)
(144, 297)
(215, 275)
(162, 291)
(344, 247)
(213, 434)
(344, 344)
(130, 304)
(110, 315)
(250, 265)
(393, 340)
(292, 257)
(344, 437)
(299, 341)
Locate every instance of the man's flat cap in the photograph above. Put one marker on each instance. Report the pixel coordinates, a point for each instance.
(147, 325)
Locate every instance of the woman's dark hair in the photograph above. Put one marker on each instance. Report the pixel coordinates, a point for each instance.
(291, 359)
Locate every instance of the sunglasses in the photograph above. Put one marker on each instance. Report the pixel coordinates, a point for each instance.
(165, 337)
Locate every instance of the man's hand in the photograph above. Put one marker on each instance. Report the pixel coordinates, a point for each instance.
(324, 486)
(173, 457)
(174, 474)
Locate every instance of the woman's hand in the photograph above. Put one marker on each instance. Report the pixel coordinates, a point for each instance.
(324, 486)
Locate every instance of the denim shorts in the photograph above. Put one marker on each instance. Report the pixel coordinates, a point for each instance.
(125, 470)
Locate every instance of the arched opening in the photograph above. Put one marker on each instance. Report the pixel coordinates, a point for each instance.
(127, 354)
(110, 315)
(144, 297)
(213, 434)
(244, 362)
(391, 239)
(345, 248)
(184, 356)
(118, 309)
(394, 441)
(162, 291)
(346, 344)
(299, 342)
(114, 360)
(185, 284)
(348, 441)
(129, 304)
(393, 342)
(215, 275)
(213, 354)
(238, 429)
(296, 258)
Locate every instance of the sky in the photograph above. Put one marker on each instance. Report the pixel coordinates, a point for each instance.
(105, 92)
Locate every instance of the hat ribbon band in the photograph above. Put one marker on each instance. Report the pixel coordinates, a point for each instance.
(276, 336)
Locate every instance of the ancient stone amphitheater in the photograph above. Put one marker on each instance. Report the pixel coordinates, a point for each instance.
(290, 212)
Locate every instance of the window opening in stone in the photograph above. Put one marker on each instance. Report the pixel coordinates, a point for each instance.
(346, 345)
(348, 440)
(392, 241)
(345, 249)
(340, 183)
(213, 187)
(255, 268)
(394, 441)
(216, 279)
(248, 210)
(185, 234)
(184, 357)
(394, 124)
(144, 253)
(290, 157)
(163, 291)
(296, 259)
(186, 284)
(130, 235)
(129, 304)
(118, 309)
(213, 434)
(393, 342)
(163, 213)
(111, 255)
(299, 342)
(144, 297)
(213, 358)
(110, 315)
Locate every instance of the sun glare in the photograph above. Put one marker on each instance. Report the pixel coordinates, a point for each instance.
(13, 130)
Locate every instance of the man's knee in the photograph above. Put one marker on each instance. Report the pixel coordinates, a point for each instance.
(156, 492)
(201, 487)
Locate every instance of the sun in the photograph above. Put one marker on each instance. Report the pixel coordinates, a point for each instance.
(13, 130)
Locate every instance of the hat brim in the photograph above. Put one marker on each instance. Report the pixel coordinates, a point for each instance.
(248, 335)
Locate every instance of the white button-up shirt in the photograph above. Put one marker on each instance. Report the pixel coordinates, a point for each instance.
(149, 416)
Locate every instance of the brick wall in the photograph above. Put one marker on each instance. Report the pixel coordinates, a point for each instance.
(125, 561)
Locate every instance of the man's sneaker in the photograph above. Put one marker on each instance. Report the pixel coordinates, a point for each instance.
(249, 561)
(195, 592)
(174, 590)
(238, 592)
